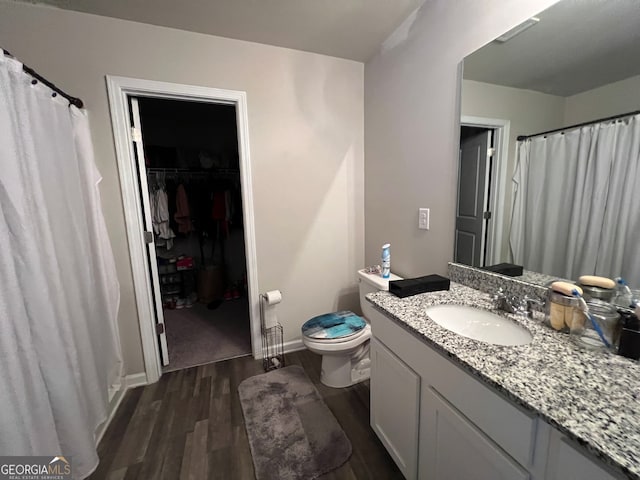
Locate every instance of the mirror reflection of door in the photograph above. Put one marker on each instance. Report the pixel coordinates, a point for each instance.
(474, 179)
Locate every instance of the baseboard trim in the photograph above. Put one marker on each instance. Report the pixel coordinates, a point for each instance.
(136, 380)
(293, 345)
(129, 381)
(114, 403)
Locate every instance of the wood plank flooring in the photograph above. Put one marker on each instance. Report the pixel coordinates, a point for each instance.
(189, 426)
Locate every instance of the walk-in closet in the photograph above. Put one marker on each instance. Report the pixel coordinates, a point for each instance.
(191, 165)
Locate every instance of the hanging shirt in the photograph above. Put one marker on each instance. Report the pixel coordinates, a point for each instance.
(160, 219)
(182, 215)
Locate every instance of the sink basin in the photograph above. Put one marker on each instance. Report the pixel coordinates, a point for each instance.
(479, 324)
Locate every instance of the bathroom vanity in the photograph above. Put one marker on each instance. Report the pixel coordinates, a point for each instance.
(446, 406)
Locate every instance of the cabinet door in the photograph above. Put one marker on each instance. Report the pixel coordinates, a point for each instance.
(565, 462)
(395, 397)
(455, 449)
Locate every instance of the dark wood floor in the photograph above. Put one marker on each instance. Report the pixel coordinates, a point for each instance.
(189, 426)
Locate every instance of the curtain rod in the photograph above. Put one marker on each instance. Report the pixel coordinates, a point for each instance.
(520, 138)
(39, 78)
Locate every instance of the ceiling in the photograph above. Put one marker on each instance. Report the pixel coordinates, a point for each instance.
(578, 45)
(352, 29)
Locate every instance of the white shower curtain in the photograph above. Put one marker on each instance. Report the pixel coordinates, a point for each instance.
(59, 296)
(576, 201)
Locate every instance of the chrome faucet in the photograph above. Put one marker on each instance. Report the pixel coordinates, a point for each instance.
(513, 304)
(507, 303)
(533, 304)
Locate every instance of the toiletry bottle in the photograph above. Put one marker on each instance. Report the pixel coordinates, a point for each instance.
(386, 260)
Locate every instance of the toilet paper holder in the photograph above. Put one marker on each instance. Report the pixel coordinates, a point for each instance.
(272, 331)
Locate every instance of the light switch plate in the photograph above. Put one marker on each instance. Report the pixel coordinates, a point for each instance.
(423, 219)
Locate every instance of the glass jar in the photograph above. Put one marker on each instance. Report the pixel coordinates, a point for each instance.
(606, 316)
(625, 300)
(559, 310)
(590, 292)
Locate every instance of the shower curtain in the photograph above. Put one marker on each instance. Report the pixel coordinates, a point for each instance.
(59, 296)
(576, 198)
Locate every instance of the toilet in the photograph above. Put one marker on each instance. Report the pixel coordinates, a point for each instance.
(342, 338)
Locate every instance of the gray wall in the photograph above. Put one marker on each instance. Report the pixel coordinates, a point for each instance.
(411, 127)
(305, 133)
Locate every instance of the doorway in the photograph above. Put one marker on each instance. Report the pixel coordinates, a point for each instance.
(482, 182)
(474, 195)
(130, 153)
(191, 164)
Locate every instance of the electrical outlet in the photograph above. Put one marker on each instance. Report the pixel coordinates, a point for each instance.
(423, 219)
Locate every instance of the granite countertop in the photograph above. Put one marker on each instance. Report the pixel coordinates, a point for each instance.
(591, 396)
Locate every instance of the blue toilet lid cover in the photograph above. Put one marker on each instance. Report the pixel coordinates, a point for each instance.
(333, 325)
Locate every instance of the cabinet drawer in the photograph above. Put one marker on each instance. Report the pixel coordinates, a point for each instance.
(457, 449)
(509, 426)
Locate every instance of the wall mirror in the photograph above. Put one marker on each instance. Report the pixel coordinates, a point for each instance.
(560, 201)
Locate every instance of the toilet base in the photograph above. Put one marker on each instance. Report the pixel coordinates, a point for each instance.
(344, 371)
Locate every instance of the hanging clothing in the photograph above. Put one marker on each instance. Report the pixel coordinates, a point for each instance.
(219, 211)
(160, 219)
(59, 347)
(183, 214)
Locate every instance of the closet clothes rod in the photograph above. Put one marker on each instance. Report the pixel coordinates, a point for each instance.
(219, 171)
(39, 78)
(521, 138)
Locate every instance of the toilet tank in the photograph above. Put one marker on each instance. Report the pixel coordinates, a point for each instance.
(369, 283)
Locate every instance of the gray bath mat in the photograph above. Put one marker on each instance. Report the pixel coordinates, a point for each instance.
(292, 433)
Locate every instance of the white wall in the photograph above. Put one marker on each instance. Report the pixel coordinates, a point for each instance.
(412, 122)
(528, 111)
(613, 99)
(306, 140)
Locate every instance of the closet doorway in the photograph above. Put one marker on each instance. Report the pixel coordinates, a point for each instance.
(205, 266)
(192, 169)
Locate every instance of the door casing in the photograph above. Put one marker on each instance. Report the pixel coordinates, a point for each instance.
(119, 89)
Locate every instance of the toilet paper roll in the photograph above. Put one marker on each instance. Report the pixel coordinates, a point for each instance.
(270, 300)
(273, 297)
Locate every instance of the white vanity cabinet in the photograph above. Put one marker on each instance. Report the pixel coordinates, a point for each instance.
(395, 396)
(456, 449)
(439, 422)
(565, 462)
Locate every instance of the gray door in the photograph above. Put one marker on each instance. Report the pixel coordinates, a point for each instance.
(473, 180)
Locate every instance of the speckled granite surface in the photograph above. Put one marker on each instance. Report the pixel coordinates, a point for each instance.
(536, 278)
(593, 397)
(490, 282)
